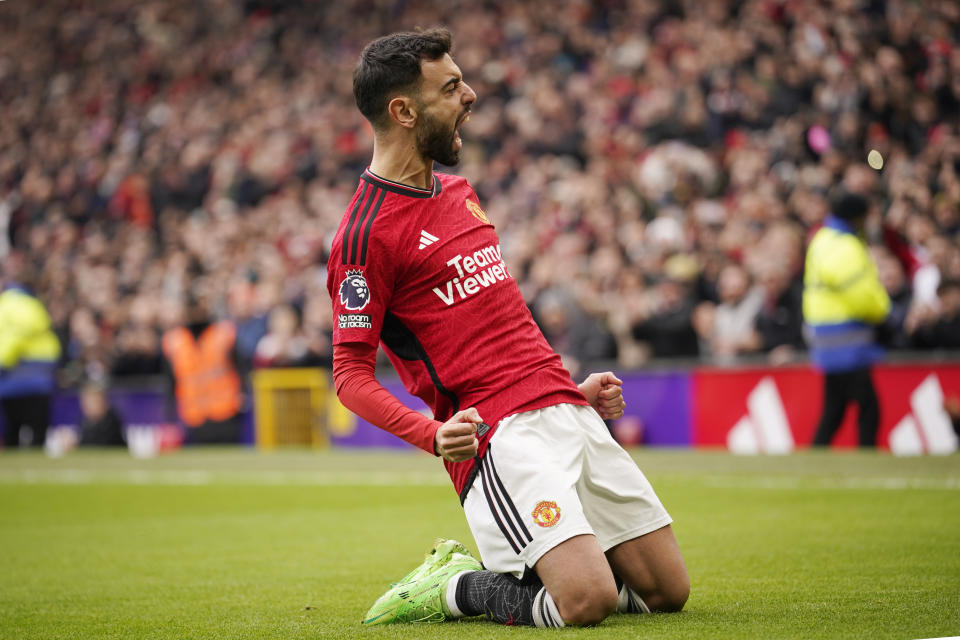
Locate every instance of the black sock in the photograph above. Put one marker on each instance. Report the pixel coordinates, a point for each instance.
(504, 599)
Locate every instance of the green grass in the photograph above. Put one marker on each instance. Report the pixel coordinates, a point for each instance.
(297, 544)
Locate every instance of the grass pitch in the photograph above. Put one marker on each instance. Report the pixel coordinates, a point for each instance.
(297, 544)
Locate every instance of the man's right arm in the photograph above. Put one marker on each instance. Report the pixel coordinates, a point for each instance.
(10, 333)
(354, 365)
(857, 281)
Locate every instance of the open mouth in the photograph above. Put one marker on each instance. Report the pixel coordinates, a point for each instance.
(457, 141)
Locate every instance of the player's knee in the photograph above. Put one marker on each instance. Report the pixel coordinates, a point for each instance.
(590, 606)
(671, 597)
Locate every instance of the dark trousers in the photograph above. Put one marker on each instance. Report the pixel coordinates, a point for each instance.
(215, 432)
(25, 411)
(839, 389)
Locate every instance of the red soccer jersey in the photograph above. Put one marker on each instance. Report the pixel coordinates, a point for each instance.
(420, 272)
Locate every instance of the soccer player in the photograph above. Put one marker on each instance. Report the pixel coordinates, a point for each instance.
(568, 527)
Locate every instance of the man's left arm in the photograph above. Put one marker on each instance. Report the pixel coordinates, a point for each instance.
(604, 392)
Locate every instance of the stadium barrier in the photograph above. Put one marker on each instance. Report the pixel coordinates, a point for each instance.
(758, 409)
(777, 410)
(747, 409)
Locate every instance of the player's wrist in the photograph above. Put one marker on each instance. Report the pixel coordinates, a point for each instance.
(436, 437)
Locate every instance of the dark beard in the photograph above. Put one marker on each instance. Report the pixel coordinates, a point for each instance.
(435, 141)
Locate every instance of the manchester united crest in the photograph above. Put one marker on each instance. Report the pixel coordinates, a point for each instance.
(477, 212)
(546, 513)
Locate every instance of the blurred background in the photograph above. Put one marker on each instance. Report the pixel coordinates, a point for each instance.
(654, 171)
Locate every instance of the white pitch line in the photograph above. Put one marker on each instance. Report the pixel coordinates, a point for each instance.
(194, 477)
(843, 484)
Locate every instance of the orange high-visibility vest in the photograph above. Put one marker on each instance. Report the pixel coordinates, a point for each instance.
(206, 383)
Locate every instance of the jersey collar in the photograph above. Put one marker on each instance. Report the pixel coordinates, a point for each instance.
(843, 226)
(16, 286)
(402, 189)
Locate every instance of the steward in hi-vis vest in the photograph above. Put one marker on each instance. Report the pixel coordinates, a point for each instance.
(206, 384)
(29, 352)
(843, 301)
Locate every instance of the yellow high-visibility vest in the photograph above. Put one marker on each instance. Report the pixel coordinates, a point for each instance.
(842, 299)
(25, 331)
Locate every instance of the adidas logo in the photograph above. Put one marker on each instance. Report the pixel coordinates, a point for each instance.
(926, 428)
(765, 428)
(426, 239)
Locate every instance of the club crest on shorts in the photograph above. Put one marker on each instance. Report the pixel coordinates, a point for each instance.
(546, 513)
(354, 292)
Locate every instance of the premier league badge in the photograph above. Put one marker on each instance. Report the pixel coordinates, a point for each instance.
(354, 292)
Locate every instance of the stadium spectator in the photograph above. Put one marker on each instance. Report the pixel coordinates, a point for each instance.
(938, 328)
(779, 323)
(284, 344)
(101, 425)
(249, 303)
(668, 327)
(573, 333)
(727, 329)
(137, 343)
(891, 333)
(318, 328)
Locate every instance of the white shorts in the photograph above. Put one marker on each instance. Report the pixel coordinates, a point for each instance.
(549, 475)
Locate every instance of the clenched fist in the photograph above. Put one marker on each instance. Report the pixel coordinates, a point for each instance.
(456, 439)
(605, 394)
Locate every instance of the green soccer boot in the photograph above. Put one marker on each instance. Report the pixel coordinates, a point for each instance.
(441, 553)
(419, 596)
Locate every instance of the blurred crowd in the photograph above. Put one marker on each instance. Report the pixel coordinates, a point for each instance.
(653, 168)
